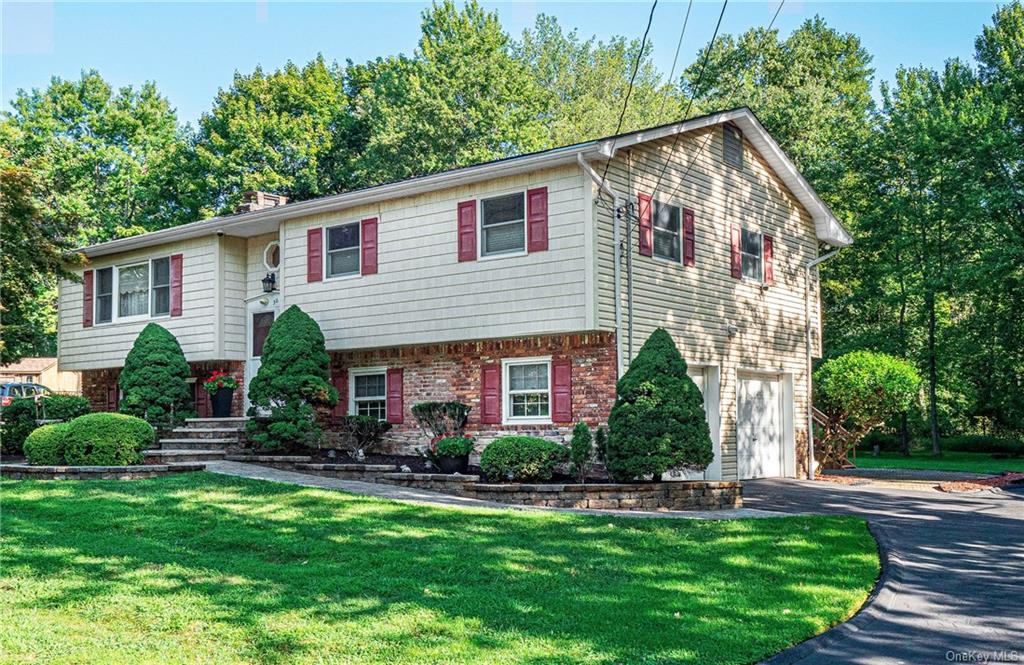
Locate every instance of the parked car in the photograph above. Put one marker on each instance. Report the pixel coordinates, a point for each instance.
(9, 391)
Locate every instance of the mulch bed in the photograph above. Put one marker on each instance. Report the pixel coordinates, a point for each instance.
(842, 480)
(982, 483)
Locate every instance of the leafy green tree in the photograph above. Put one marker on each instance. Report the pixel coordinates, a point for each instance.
(860, 391)
(581, 83)
(462, 98)
(286, 131)
(154, 378)
(657, 422)
(110, 162)
(35, 254)
(292, 382)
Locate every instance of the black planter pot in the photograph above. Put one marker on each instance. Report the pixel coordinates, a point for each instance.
(221, 402)
(449, 464)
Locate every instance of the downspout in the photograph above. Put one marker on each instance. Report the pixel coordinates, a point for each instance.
(618, 255)
(808, 267)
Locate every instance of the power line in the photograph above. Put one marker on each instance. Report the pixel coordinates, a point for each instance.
(675, 58)
(629, 90)
(696, 88)
(693, 160)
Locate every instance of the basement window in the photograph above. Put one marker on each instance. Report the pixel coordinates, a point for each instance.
(368, 388)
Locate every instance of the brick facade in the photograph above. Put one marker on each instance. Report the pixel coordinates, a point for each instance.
(99, 386)
(444, 372)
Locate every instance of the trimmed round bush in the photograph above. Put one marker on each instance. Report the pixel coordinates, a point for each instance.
(658, 421)
(107, 439)
(154, 378)
(521, 458)
(45, 445)
(64, 407)
(19, 420)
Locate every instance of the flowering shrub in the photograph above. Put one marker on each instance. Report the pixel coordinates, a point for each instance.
(218, 380)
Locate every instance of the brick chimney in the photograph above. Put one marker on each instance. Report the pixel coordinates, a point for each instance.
(256, 200)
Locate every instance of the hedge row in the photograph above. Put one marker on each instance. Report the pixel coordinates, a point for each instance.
(97, 439)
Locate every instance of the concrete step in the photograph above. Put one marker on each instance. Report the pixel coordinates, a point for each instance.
(206, 433)
(197, 444)
(215, 422)
(166, 456)
(256, 459)
(181, 467)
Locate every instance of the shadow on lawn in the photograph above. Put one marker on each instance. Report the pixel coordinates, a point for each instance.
(401, 575)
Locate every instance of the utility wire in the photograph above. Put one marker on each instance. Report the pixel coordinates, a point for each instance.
(693, 160)
(675, 58)
(696, 88)
(629, 90)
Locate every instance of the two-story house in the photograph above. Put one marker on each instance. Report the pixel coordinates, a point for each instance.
(521, 286)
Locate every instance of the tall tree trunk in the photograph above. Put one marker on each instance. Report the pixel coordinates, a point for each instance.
(933, 411)
(904, 431)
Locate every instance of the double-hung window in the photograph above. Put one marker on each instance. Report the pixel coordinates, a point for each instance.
(666, 231)
(160, 288)
(343, 250)
(528, 389)
(368, 388)
(133, 290)
(751, 255)
(503, 224)
(104, 295)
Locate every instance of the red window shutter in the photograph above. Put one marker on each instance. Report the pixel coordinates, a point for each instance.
(395, 404)
(314, 255)
(561, 372)
(737, 263)
(537, 219)
(369, 243)
(689, 241)
(490, 397)
(176, 281)
(340, 383)
(87, 286)
(769, 254)
(467, 231)
(112, 390)
(645, 229)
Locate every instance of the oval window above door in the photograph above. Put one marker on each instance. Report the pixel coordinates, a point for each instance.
(272, 255)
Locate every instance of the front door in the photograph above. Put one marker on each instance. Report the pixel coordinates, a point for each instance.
(261, 314)
(759, 427)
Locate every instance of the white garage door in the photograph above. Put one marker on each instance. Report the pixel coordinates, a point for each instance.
(759, 435)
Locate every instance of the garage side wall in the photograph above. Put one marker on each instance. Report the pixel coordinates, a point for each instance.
(736, 325)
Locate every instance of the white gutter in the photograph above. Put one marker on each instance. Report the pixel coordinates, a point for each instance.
(810, 265)
(617, 239)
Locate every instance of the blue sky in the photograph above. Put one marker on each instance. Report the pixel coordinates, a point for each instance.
(192, 49)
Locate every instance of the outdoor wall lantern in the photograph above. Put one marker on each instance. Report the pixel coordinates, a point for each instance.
(268, 282)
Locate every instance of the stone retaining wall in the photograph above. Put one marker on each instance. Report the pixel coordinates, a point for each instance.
(135, 472)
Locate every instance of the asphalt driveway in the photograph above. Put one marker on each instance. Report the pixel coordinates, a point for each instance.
(954, 587)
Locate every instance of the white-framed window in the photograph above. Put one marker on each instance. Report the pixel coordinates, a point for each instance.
(503, 224)
(367, 390)
(526, 383)
(732, 145)
(133, 291)
(342, 255)
(104, 295)
(751, 255)
(272, 255)
(667, 221)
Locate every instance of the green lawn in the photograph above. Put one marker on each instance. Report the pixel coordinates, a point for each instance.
(206, 568)
(950, 461)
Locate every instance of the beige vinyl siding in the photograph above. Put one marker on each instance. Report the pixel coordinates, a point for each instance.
(107, 344)
(423, 294)
(256, 269)
(234, 259)
(698, 304)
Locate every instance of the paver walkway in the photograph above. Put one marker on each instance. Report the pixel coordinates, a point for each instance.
(410, 495)
(954, 591)
(907, 474)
